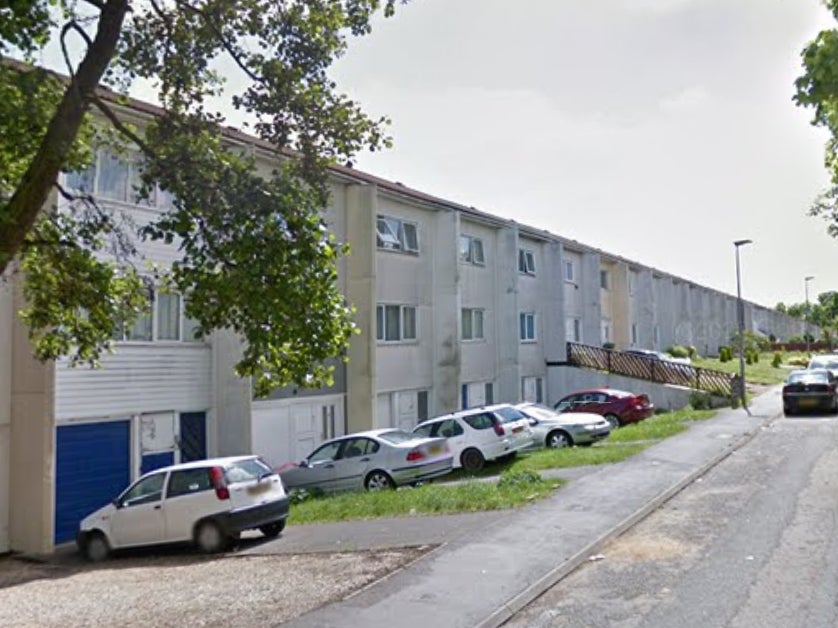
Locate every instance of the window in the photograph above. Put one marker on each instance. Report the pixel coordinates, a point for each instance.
(117, 178)
(395, 234)
(472, 322)
(145, 491)
(569, 272)
(422, 405)
(163, 320)
(606, 331)
(471, 250)
(489, 392)
(482, 421)
(526, 262)
(604, 279)
(532, 389)
(527, 331)
(395, 323)
(573, 330)
(168, 316)
(189, 481)
(634, 333)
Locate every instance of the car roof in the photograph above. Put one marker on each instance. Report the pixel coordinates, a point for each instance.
(607, 391)
(207, 462)
(467, 412)
(805, 372)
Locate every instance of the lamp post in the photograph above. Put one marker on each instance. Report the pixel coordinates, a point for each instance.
(806, 281)
(740, 315)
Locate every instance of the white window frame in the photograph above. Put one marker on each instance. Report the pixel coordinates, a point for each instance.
(472, 250)
(404, 314)
(526, 262)
(569, 270)
(396, 234)
(573, 329)
(474, 315)
(528, 327)
(151, 319)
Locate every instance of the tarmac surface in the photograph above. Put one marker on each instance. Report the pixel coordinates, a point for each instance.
(488, 565)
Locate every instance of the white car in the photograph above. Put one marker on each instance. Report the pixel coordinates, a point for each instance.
(553, 430)
(480, 434)
(209, 502)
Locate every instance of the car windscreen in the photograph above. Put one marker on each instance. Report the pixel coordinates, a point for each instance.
(245, 470)
(399, 436)
(509, 414)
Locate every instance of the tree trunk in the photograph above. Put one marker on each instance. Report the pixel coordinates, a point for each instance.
(34, 188)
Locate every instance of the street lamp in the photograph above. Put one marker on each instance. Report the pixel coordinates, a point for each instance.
(740, 315)
(806, 281)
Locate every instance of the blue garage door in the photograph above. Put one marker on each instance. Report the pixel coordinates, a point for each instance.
(93, 464)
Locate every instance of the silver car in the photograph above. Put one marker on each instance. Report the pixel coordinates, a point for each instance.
(554, 430)
(372, 460)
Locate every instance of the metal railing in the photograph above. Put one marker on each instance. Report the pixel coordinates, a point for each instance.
(649, 368)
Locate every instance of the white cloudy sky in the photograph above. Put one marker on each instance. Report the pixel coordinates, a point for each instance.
(660, 130)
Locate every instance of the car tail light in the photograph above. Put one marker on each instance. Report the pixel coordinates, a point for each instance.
(498, 429)
(414, 455)
(216, 475)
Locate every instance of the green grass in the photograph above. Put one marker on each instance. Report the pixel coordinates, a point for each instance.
(431, 499)
(518, 483)
(760, 373)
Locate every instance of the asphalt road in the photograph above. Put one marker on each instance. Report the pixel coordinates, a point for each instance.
(752, 544)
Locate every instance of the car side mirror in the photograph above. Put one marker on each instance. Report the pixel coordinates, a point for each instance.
(303, 463)
(533, 422)
(116, 503)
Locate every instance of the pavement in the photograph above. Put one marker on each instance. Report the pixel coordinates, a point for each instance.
(486, 566)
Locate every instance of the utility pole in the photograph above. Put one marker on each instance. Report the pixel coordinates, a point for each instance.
(740, 313)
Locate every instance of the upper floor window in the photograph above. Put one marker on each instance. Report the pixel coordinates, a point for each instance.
(395, 234)
(569, 271)
(471, 250)
(526, 262)
(573, 329)
(527, 330)
(604, 279)
(116, 178)
(164, 319)
(472, 324)
(395, 323)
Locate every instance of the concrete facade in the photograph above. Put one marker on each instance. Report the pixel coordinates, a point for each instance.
(473, 308)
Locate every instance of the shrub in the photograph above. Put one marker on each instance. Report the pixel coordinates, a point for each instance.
(692, 352)
(701, 401)
(798, 360)
(520, 479)
(678, 351)
(796, 339)
(725, 354)
(778, 360)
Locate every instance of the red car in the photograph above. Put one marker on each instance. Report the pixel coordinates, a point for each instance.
(617, 406)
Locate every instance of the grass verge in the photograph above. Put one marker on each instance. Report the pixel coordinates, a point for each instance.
(760, 373)
(431, 499)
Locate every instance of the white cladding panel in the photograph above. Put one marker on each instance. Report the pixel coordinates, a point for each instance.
(146, 377)
(288, 430)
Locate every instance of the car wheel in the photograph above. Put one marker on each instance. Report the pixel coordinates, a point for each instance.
(378, 481)
(96, 548)
(613, 420)
(558, 439)
(210, 538)
(272, 530)
(472, 460)
(787, 411)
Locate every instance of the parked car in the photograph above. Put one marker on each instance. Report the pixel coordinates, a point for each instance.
(209, 502)
(553, 430)
(657, 355)
(617, 406)
(810, 389)
(371, 460)
(480, 434)
(824, 361)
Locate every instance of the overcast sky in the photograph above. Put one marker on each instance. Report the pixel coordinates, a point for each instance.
(659, 130)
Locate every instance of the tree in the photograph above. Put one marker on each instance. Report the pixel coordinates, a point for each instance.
(817, 88)
(256, 257)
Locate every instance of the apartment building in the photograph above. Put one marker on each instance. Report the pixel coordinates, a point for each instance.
(456, 307)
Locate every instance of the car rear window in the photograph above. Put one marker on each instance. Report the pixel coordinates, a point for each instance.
(424, 430)
(507, 415)
(482, 421)
(818, 377)
(398, 436)
(244, 470)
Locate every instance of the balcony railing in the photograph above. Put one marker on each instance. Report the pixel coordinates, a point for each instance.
(649, 368)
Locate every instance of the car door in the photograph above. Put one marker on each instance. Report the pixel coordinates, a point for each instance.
(318, 470)
(355, 459)
(139, 518)
(189, 497)
(453, 432)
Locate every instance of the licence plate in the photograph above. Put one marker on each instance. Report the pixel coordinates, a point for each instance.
(262, 487)
(807, 402)
(435, 449)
